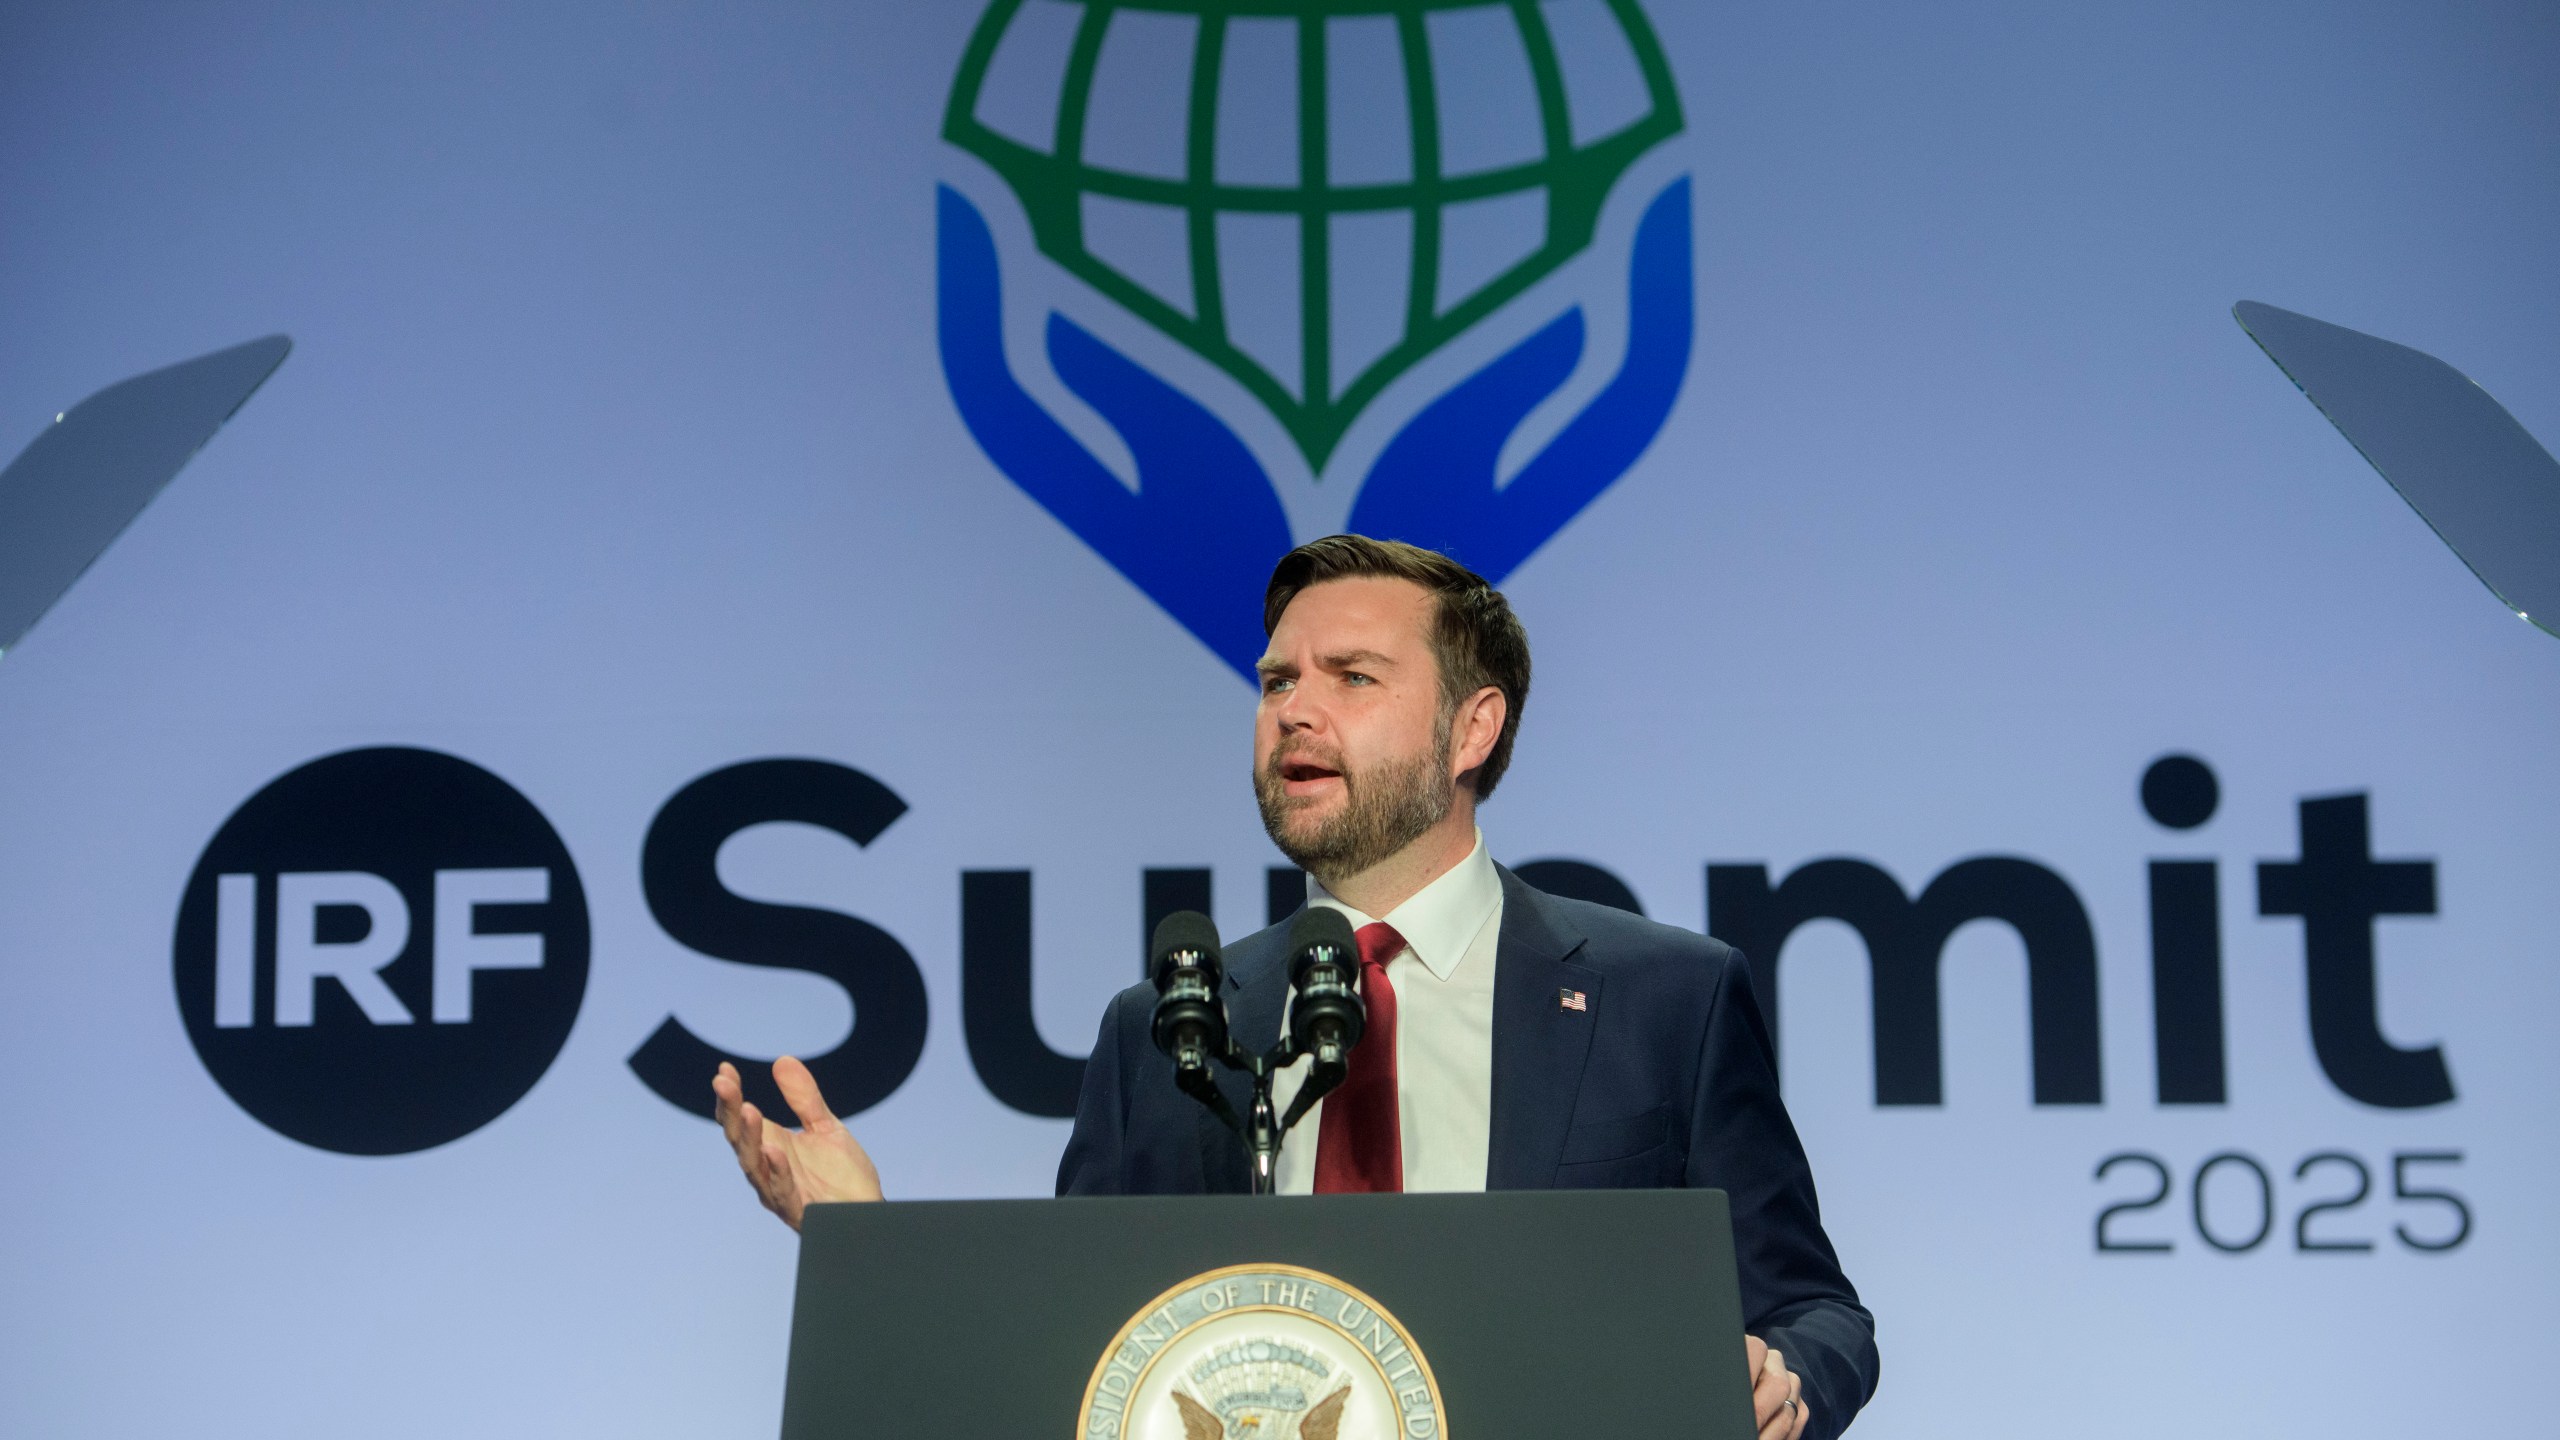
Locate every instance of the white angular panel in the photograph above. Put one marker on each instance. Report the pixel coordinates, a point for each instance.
(1151, 244)
(1138, 115)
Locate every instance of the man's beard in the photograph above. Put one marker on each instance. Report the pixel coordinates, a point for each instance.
(1385, 808)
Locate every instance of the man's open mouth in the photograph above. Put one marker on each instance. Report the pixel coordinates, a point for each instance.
(1305, 779)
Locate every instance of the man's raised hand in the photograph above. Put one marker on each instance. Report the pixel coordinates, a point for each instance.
(793, 1169)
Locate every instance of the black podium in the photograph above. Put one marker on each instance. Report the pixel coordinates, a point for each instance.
(1338, 1317)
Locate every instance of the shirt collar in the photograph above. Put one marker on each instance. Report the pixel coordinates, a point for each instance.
(1442, 919)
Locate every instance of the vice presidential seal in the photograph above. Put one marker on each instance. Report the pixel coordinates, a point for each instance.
(1262, 1352)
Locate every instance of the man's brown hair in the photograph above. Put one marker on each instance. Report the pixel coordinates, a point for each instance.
(1475, 639)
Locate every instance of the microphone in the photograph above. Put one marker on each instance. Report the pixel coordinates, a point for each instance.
(1187, 967)
(1326, 1018)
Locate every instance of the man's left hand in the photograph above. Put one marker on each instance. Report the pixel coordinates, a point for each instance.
(1777, 1396)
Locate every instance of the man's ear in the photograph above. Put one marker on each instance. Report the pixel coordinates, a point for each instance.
(1475, 728)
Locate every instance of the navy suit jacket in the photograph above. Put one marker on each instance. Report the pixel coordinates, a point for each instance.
(1667, 1079)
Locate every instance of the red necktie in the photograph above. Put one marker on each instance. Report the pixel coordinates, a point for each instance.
(1360, 1145)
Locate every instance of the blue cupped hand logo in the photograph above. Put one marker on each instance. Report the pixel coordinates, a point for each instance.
(1203, 527)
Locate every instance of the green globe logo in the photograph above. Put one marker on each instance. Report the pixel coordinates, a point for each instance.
(1221, 167)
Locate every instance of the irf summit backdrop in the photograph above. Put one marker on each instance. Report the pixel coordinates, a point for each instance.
(755, 545)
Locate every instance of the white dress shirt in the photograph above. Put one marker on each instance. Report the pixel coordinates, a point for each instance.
(1443, 980)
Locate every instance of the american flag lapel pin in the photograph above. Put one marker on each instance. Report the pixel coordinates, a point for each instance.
(1572, 1000)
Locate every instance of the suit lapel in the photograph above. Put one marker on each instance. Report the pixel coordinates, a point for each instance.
(1538, 1046)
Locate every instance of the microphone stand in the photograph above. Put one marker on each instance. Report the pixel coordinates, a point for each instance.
(1262, 1126)
(1263, 1131)
(1191, 1026)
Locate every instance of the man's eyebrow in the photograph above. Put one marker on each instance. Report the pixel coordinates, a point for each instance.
(1273, 665)
(1365, 659)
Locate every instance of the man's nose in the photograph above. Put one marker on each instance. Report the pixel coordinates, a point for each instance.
(1296, 712)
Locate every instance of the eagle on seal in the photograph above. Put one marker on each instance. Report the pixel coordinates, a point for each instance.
(1199, 1422)
(1325, 1418)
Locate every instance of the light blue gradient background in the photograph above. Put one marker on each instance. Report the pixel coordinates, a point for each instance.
(614, 449)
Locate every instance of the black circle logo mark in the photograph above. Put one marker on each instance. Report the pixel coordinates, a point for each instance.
(2180, 792)
(381, 951)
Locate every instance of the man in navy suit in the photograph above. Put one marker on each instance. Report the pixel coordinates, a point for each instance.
(1516, 1040)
